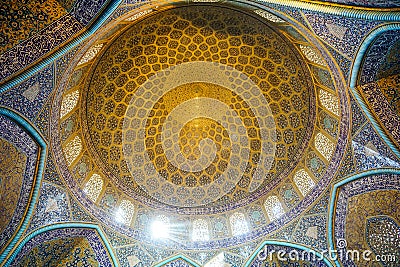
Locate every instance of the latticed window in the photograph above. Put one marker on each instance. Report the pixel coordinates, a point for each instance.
(303, 181)
(312, 55)
(90, 54)
(93, 187)
(68, 103)
(72, 149)
(324, 145)
(238, 224)
(200, 230)
(273, 207)
(125, 212)
(329, 101)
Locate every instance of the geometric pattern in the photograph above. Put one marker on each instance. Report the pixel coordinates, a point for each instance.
(26, 139)
(370, 194)
(64, 245)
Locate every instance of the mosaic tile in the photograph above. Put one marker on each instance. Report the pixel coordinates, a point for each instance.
(321, 206)
(117, 240)
(178, 263)
(124, 252)
(370, 151)
(390, 66)
(367, 3)
(13, 163)
(315, 240)
(13, 136)
(383, 237)
(243, 251)
(22, 19)
(384, 99)
(348, 166)
(292, 12)
(357, 115)
(61, 64)
(39, 45)
(78, 213)
(67, 4)
(85, 11)
(367, 197)
(286, 232)
(356, 30)
(42, 119)
(158, 253)
(380, 56)
(315, 164)
(289, 195)
(52, 207)
(329, 123)
(50, 173)
(343, 62)
(15, 99)
(201, 256)
(233, 260)
(67, 246)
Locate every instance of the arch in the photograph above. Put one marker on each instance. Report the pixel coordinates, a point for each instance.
(94, 186)
(63, 226)
(303, 181)
(355, 72)
(363, 49)
(238, 224)
(200, 230)
(334, 196)
(68, 103)
(324, 145)
(72, 149)
(39, 175)
(285, 244)
(125, 212)
(273, 207)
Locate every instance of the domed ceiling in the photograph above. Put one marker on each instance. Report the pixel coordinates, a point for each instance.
(191, 111)
(199, 133)
(136, 94)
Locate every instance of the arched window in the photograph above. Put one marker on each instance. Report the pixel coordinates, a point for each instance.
(312, 55)
(329, 101)
(90, 54)
(72, 149)
(268, 16)
(93, 187)
(303, 181)
(68, 103)
(200, 230)
(324, 145)
(125, 212)
(238, 224)
(273, 207)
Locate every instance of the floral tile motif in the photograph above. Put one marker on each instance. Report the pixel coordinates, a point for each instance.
(353, 31)
(370, 151)
(52, 207)
(29, 97)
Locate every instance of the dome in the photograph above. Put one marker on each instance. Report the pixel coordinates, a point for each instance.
(199, 133)
(192, 111)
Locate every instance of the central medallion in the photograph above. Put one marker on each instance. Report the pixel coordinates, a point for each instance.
(194, 106)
